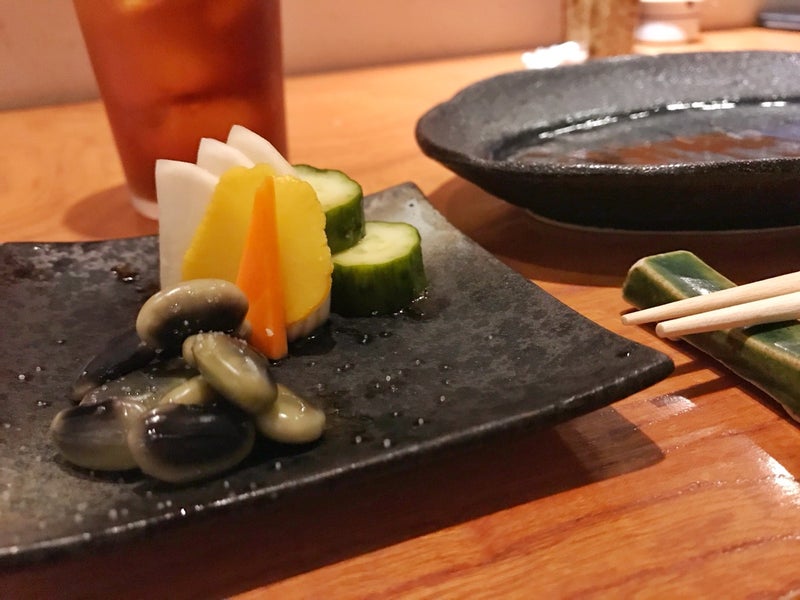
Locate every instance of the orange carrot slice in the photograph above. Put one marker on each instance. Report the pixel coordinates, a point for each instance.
(260, 276)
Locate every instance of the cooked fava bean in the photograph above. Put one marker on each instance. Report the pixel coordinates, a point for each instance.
(173, 314)
(187, 351)
(234, 369)
(179, 443)
(291, 419)
(192, 391)
(95, 436)
(145, 386)
(123, 353)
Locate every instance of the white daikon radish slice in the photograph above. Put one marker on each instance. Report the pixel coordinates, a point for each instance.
(259, 150)
(217, 157)
(183, 190)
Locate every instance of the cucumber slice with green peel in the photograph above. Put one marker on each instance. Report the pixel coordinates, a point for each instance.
(342, 200)
(382, 274)
(768, 356)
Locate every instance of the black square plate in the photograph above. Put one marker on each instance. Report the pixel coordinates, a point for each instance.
(487, 352)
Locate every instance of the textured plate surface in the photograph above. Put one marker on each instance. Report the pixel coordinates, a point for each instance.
(486, 352)
(482, 132)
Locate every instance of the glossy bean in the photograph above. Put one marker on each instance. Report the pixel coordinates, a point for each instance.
(179, 443)
(291, 419)
(94, 436)
(173, 314)
(234, 369)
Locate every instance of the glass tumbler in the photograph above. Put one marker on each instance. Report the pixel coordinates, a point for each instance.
(173, 71)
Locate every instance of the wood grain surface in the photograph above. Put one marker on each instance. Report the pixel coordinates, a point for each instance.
(687, 489)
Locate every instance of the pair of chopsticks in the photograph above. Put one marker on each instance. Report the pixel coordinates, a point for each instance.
(767, 301)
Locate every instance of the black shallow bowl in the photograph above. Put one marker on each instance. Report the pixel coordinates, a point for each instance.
(480, 133)
(488, 353)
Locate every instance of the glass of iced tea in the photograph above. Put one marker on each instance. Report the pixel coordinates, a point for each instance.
(173, 71)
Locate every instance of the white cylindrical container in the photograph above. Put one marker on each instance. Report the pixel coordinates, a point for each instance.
(668, 21)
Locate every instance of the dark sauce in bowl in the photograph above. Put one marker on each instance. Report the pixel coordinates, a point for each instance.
(681, 133)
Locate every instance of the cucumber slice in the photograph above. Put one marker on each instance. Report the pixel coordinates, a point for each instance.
(343, 202)
(768, 356)
(381, 274)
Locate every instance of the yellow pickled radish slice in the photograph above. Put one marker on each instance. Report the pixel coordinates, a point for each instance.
(305, 256)
(216, 248)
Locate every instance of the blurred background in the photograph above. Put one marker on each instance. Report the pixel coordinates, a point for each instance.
(43, 61)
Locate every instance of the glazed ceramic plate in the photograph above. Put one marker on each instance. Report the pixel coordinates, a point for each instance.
(704, 141)
(486, 352)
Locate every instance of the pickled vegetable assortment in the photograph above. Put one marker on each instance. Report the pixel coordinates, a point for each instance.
(254, 254)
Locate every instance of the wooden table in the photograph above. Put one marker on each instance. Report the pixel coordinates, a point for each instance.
(687, 488)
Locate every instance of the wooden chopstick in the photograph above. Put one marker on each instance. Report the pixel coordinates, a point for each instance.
(767, 310)
(766, 288)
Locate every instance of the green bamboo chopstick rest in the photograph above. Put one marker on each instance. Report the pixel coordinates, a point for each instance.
(768, 356)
